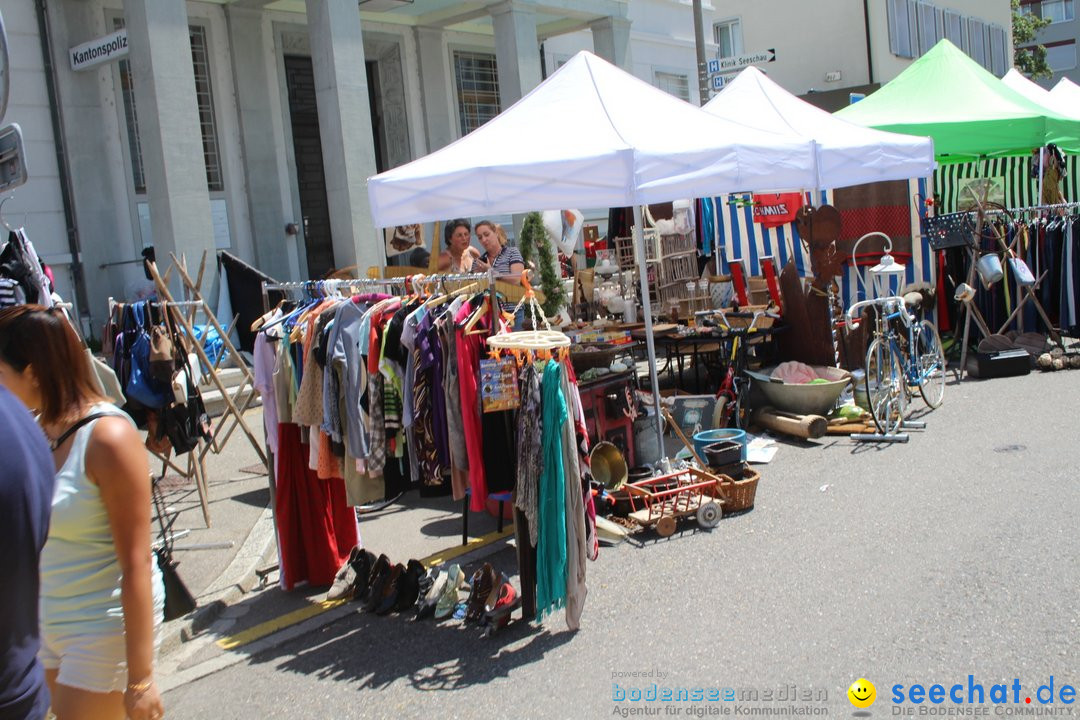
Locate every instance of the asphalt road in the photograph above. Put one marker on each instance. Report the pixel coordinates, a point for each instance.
(951, 555)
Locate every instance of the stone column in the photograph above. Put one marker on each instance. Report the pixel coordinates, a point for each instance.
(341, 92)
(517, 51)
(435, 82)
(169, 132)
(252, 80)
(611, 40)
(517, 55)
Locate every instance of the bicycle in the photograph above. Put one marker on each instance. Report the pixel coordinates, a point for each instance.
(896, 363)
(731, 395)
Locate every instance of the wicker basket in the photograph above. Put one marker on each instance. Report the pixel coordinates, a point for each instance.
(740, 493)
(597, 355)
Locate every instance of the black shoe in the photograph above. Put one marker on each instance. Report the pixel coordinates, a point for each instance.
(409, 586)
(483, 582)
(391, 589)
(380, 574)
(363, 564)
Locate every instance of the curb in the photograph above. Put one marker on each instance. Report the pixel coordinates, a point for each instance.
(175, 672)
(230, 585)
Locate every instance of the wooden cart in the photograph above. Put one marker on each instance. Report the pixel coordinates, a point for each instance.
(660, 501)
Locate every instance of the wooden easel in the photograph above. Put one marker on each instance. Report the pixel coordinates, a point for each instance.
(184, 313)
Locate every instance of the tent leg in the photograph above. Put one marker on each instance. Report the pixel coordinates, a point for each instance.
(646, 307)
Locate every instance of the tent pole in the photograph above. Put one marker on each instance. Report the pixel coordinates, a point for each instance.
(646, 307)
(816, 149)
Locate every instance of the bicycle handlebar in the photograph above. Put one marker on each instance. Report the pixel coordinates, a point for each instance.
(892, 299)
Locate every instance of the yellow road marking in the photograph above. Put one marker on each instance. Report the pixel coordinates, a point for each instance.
(270, 627)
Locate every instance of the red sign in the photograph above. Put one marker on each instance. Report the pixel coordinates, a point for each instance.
(776, 209)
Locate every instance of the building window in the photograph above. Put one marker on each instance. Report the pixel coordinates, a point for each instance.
(200, 59)
(902, 28)
(477, 80)
(954, 29)
(977, 43)
(728, 36)
(673, 83)
(1055, 11)
(1061, 56)
(929, 26)
(999, 63)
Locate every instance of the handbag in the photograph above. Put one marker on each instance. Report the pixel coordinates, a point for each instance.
(178, 599)
(161, 354)
(185, 424)
(141, 385)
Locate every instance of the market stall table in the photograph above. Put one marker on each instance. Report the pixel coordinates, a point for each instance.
(704, 346)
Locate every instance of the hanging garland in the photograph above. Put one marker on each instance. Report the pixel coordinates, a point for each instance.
(536, 243)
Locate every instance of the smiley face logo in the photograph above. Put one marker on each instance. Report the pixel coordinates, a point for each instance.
(862, 693)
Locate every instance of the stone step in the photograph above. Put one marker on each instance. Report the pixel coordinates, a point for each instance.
(215, 403)
(230, 377)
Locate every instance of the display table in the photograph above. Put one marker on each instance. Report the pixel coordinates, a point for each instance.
(711, 348)
(608, 404)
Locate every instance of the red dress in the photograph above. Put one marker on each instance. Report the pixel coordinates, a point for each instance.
(316, 528)
(469, 351)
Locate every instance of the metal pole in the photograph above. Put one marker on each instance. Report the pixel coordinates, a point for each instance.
(699, 42)
(646, 307)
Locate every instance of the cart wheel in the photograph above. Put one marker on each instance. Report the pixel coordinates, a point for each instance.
(665, 526)
(708, 515)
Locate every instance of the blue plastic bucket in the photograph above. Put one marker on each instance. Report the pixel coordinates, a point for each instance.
(707, 437)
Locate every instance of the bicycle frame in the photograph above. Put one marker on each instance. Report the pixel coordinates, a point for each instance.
(893, 308)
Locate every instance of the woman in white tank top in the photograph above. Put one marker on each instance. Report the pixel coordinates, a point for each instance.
(101, 591)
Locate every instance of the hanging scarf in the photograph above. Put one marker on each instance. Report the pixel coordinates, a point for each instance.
(551, 506)
(530, 453)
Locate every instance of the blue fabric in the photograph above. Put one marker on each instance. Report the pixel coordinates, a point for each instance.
(551, 505)
(708, 226)
(26, 490)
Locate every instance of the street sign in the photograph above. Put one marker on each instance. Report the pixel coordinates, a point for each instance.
(91, 54)
(732, 64)
(718, 81)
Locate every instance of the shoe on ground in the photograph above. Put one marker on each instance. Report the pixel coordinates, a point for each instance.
(345, 578)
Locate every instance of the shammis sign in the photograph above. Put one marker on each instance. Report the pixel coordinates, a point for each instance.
(776, 209)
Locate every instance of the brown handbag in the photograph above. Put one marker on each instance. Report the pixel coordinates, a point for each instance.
(162, 365)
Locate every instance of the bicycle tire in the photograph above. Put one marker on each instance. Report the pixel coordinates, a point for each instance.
(930, 360)
(886, 387)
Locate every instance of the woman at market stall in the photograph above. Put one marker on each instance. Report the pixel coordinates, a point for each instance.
(504, 259)
(459, 255)
(101, 592)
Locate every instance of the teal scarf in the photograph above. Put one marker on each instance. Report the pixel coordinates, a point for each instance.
(551, 506)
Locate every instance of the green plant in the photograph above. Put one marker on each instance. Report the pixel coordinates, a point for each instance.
(1029, 58)
(535, 243)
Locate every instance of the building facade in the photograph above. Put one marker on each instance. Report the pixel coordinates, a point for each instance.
(1059, 37)
(252, 125)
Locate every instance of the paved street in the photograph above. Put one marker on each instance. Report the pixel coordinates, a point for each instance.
(954, 554)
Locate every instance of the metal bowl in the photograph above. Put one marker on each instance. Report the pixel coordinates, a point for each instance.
(804, 399)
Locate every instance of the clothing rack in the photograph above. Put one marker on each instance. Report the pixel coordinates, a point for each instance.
(1010, 211)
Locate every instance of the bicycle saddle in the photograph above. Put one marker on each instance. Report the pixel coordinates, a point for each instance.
(912, 300)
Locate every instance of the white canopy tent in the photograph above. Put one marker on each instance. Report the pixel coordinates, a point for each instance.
(591, 135)
(1055, 102)
(1068, 94)
(845, 153)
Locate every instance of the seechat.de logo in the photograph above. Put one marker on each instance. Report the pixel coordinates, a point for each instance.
(862, 693)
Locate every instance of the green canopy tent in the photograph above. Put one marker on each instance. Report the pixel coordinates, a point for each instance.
(967, 111)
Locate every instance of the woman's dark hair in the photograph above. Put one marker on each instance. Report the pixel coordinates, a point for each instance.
(452, 225)
(42, 338)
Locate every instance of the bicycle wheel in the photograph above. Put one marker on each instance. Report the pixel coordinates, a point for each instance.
(930, 359)
(885, 387)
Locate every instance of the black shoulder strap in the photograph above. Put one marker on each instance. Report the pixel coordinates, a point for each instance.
(78, 424)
